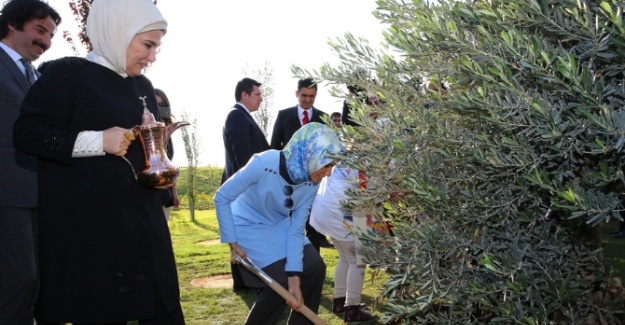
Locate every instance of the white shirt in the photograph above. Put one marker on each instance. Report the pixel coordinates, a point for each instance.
(328, 215)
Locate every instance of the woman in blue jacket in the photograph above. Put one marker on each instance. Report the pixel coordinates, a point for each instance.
(262, 212)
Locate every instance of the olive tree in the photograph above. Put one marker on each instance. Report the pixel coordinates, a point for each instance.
(497, 156)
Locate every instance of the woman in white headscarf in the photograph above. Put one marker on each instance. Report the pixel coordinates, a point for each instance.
(104, 246)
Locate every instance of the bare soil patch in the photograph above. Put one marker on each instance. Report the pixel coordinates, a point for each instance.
(217, 281)
(211, 242)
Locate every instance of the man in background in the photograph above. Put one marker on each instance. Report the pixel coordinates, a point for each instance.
(355, 94)
(336, 119)
(242, 139)
(26, 31)
(290, 120)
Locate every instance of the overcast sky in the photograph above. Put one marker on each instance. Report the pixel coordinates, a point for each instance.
(210, 43)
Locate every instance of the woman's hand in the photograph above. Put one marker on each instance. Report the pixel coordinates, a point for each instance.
(115, 140)
(294, 289)
(234, 251)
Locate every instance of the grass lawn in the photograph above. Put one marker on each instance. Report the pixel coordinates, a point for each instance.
(223, 307)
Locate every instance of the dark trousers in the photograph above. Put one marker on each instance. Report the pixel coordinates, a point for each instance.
(269, 306)
(18, 265)
(314, 236)
(237, 280)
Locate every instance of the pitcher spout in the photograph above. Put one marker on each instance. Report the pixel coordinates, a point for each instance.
(173, 127)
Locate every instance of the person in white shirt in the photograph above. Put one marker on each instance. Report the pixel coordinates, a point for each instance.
(330, 218)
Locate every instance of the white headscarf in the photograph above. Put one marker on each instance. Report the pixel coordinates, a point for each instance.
(111, 26)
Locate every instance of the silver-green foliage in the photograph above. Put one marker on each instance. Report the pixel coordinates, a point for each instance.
(499, 174)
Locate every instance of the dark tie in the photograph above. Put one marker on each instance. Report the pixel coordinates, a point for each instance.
(30, 71)
(305, 119)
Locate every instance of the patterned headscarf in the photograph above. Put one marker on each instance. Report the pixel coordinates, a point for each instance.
(308, 149)
(111, 26)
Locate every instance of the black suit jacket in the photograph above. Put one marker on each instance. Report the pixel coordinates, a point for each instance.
(242, 139)
(18, 170)
(345, 118)
(287, 123)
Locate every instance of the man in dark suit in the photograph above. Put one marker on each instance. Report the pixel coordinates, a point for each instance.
(290, 120)
(242, 139)
(26, 30)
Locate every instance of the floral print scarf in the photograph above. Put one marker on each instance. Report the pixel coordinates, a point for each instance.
(308, 150)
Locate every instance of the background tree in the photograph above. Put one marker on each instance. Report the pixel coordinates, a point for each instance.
(192, 151)
(499, 184)
(263, 116)
(80, 11)
(206, 183)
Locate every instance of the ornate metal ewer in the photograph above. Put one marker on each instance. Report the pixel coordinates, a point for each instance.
(154, 135)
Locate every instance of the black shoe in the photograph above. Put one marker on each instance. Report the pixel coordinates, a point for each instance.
(338, 305)
(355, 314)
(323, 242)
(620, 234)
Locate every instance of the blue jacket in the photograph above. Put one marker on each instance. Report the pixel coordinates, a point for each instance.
(251, 211)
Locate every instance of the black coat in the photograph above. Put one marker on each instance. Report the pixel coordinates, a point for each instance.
(167, 195)
(287, 123)
(104, 246)
(345, 118)
(242, 139)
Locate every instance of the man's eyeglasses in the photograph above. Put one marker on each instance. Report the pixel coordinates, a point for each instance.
(288, 191)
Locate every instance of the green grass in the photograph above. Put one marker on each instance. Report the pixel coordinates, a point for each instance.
(222, 306)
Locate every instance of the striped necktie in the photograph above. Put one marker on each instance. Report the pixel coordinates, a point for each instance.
(30, 71)
(305, 119)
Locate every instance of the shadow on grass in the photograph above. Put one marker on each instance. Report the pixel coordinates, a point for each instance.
(202, 225)
(247, 296)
